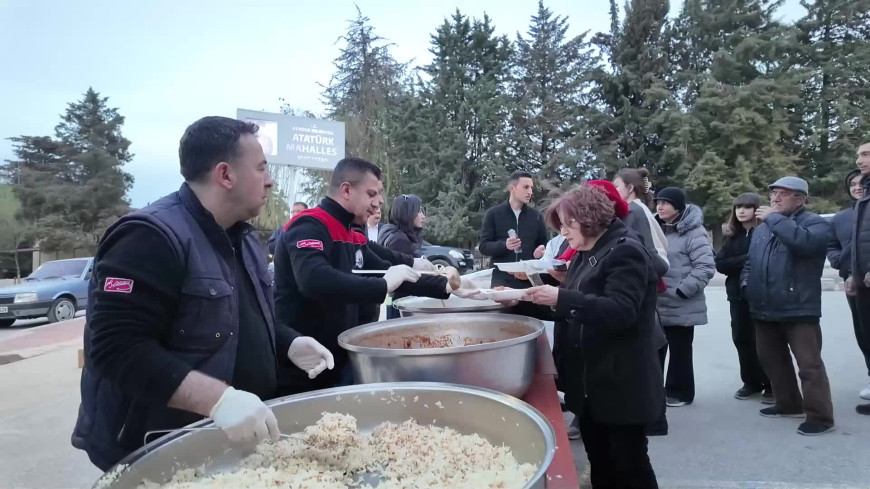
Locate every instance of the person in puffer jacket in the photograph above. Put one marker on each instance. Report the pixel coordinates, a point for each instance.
(684, 305)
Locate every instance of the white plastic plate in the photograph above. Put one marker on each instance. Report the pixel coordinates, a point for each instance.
(502, 295)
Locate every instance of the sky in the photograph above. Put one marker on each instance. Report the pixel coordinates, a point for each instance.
(166, 63)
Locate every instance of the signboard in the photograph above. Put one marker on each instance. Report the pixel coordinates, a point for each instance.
(297, 141)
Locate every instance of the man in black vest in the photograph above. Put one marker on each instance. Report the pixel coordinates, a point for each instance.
(180, 319)
(316, 291)
(527, 223)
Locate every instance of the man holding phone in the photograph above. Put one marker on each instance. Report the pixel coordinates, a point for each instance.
(512, 230)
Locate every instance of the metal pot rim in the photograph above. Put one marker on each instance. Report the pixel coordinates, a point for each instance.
(413, 352)
(528, 410)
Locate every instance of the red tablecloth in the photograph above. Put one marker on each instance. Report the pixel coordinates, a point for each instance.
(543, 396)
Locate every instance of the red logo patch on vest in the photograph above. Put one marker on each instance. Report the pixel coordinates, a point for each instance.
(121, 285)
(310, 243)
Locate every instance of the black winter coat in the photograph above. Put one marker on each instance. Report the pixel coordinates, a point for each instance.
(861, 235)
(530, 229)
(611, 358)
(730, 262)
(392, 237)
(840, 244)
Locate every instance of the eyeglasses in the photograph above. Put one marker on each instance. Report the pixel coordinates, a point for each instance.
(568, 224)
(782, 194)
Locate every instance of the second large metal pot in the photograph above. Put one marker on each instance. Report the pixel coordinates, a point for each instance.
(494, 351)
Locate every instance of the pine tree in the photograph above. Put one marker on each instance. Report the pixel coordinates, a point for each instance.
(550, 91)
(455, 137)
(72, 186)
(632, 95)
(739, 95)
(363, 93)
(835, 40)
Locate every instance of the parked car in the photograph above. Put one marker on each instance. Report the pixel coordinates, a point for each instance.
(462, 260)
(56, 290)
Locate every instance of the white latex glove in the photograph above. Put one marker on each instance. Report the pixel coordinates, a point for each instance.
(423, 265)
(309, 355)
(469, 294)
(467, 290)
(244, 417)
(399, 274)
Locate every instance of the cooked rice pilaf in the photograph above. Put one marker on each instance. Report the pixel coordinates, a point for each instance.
(329, 454)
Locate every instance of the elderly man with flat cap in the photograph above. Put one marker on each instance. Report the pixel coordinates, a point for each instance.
(782, 283)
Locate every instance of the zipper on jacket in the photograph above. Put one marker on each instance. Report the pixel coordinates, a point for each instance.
(517, 255)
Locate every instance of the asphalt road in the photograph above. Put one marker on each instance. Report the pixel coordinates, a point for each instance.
(718, 442)
(23, 326)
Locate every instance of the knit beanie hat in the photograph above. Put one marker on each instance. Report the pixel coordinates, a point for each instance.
(675, 196)
(619, 205)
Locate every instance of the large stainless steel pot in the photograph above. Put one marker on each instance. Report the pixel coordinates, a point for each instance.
(498, 418)
(416, 306)
(500, 355)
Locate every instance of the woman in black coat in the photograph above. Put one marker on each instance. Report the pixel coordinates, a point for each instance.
(613, 380)
(403, 233)
(730, 261)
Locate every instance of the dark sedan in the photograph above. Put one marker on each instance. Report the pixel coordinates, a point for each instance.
(445, 256)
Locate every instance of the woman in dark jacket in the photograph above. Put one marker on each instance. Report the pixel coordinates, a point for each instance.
(840, 256)
(613, 380)
(729, 262)
(403, 233)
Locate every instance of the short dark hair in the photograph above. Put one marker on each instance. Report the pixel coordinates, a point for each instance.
(404, 210)
(303, 204)
(515, 176)
(209, 141)
(352, 170)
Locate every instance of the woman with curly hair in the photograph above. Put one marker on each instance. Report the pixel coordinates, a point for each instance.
(608, 299)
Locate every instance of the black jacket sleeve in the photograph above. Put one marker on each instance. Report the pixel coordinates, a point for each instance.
(490, 244)
(728, 261)
(542, 238)
(839, 256)
(427, 286)
(392, 256)
(399, 242)
(126, 328)
(316, 277)
(284, 336)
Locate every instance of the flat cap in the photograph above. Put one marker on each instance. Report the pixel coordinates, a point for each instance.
(792, 183)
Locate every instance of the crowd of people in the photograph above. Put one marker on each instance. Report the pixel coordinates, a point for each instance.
(618, 307)
(200, 329)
